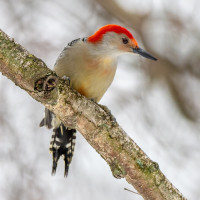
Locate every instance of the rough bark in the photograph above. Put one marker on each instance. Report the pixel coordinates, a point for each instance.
(93, 121)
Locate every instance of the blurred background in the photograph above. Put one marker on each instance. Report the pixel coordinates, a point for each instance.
(157, 103)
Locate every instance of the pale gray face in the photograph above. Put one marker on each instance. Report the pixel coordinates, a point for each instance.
(118, 43)
(114, 44)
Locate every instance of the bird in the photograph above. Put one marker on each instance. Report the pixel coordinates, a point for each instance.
(89, 63)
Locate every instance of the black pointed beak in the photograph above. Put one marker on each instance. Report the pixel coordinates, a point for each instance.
(143, 53)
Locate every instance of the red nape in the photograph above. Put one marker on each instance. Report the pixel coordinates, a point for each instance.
(109, 28)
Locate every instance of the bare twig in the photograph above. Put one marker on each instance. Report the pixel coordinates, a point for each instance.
(131, 191)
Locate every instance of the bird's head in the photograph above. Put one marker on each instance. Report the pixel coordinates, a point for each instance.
(115, 40)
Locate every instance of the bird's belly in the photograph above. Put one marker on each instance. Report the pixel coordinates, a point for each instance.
(91, 77)
(94, 84)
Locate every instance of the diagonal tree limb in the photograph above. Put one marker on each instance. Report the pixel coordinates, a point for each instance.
(93, 121)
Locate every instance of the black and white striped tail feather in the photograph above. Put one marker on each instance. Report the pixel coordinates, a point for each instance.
(62, 141)
(62, 144)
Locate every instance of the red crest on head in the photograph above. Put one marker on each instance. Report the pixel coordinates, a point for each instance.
(110, 28)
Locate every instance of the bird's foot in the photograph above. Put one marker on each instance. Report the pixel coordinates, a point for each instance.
(67, 79)
(107, 110)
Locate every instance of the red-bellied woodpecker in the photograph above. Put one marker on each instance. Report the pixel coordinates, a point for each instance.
(90, 63)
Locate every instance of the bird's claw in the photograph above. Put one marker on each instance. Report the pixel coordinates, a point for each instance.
(67, 79)
(107, 110)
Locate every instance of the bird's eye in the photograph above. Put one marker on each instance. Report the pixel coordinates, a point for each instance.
(125, 40)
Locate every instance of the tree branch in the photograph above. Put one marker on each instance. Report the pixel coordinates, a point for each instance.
(93, 121)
